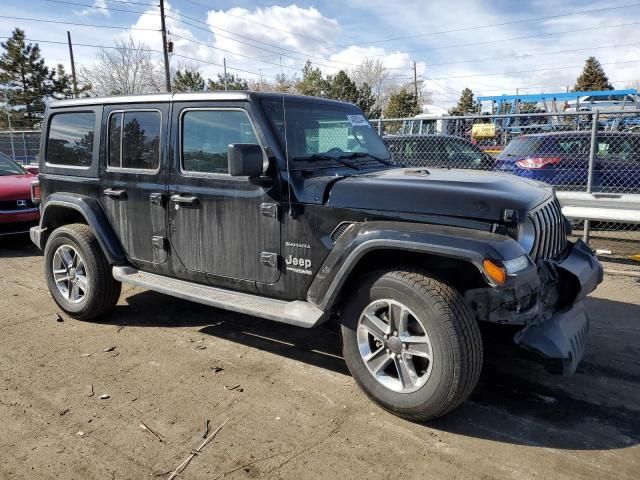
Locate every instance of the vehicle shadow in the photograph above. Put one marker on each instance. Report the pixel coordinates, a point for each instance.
(516, 401)
(17, 246)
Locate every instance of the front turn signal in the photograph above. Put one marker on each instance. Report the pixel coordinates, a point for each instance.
(495, 272)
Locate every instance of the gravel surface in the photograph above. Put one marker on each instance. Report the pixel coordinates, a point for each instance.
(130, 397)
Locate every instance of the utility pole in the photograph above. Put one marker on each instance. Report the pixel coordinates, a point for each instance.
(415, 82)
(73, 65)
(163, 27)
(224, 64)
(7, 106)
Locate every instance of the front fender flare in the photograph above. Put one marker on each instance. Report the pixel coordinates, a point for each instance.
(460, 243)
(95, 217)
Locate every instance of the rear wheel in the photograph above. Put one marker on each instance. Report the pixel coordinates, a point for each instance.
(78, 274)
(411, 343)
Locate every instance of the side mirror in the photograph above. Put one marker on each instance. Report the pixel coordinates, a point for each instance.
(33, 169)
(245, 160)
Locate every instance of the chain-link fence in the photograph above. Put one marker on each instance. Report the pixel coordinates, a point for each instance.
(582, 152)
(21, 145)
(595, 152)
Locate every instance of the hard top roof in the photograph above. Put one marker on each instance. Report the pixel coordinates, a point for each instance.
(224, 95)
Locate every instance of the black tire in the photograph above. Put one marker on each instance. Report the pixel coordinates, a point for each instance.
(456, 344)
(103, 290)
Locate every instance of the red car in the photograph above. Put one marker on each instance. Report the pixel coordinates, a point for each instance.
(18, 213)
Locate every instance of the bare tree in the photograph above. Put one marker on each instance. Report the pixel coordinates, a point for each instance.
(373, 72)
(128, 69)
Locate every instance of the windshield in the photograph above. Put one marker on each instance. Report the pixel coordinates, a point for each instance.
(317, 132)
(9, 167)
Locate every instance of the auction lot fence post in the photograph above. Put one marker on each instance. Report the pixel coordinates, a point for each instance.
(593, 152)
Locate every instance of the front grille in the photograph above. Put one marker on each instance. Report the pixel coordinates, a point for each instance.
(550, 230)
(25, 204)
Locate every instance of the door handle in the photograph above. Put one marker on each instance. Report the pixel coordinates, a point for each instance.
(115, 192)
(184, 199)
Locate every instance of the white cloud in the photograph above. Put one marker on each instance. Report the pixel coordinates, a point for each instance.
(288, 35)
(278, 35)
(99, 8)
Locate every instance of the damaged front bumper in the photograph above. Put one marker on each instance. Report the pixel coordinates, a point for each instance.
(548, 301)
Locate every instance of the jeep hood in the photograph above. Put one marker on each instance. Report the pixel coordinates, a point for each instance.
(458, 193)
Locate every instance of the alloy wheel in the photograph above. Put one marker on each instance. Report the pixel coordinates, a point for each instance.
(394, 346)
(70, 274)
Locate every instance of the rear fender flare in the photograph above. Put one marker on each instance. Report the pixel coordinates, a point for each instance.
(93, 215)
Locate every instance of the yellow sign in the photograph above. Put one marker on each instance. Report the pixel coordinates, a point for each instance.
(483, 130)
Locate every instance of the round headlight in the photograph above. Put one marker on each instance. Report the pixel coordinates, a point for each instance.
(526, 235)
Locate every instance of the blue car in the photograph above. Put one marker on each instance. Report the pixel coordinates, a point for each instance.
(562, 159)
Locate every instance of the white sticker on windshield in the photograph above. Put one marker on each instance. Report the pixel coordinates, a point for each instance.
(358, 121)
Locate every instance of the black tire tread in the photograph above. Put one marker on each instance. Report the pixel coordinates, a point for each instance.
(463, 328)
(109, 288)
(463, 332)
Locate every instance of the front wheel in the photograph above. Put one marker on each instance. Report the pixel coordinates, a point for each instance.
(411, 343)
(78, 274)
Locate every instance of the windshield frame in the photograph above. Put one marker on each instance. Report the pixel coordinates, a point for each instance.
(303, 161)
(13, 163)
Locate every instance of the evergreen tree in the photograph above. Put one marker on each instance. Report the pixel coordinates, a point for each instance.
(233, 83)
(401, 105)
(62, 83)
(24, 74)
(283, 83)
(188, 81)
(465, 105)
(367, 102)
(592, 77)
(341, 87)
(312, 83)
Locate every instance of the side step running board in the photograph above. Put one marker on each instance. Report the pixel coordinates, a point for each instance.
(299, 313)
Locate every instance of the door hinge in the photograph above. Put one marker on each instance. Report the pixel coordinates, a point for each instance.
(269, 259)
(159, 242)
(269, 210)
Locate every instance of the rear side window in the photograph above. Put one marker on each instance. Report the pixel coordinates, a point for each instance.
(70, 139)
(206, 134)
(134, 140)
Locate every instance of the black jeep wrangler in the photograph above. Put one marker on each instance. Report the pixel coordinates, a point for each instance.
(289, 208)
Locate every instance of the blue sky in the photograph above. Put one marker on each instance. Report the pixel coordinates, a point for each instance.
(483, 49)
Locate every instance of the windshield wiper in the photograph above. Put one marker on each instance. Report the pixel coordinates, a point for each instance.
(363, 154)
(321, 156)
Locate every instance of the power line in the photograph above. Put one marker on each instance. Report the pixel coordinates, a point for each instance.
(551, 67)
(501, 24)
(85, 45)
(79, 24)
(486, 59)
(210, 28)
(421, 50)
(234, 53)
(539, 86)
(102, 8)
(221, 65)
(473, 44)
(132, 3)
(281, 54)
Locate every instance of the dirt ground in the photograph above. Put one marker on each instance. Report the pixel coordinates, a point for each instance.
(295, 413)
